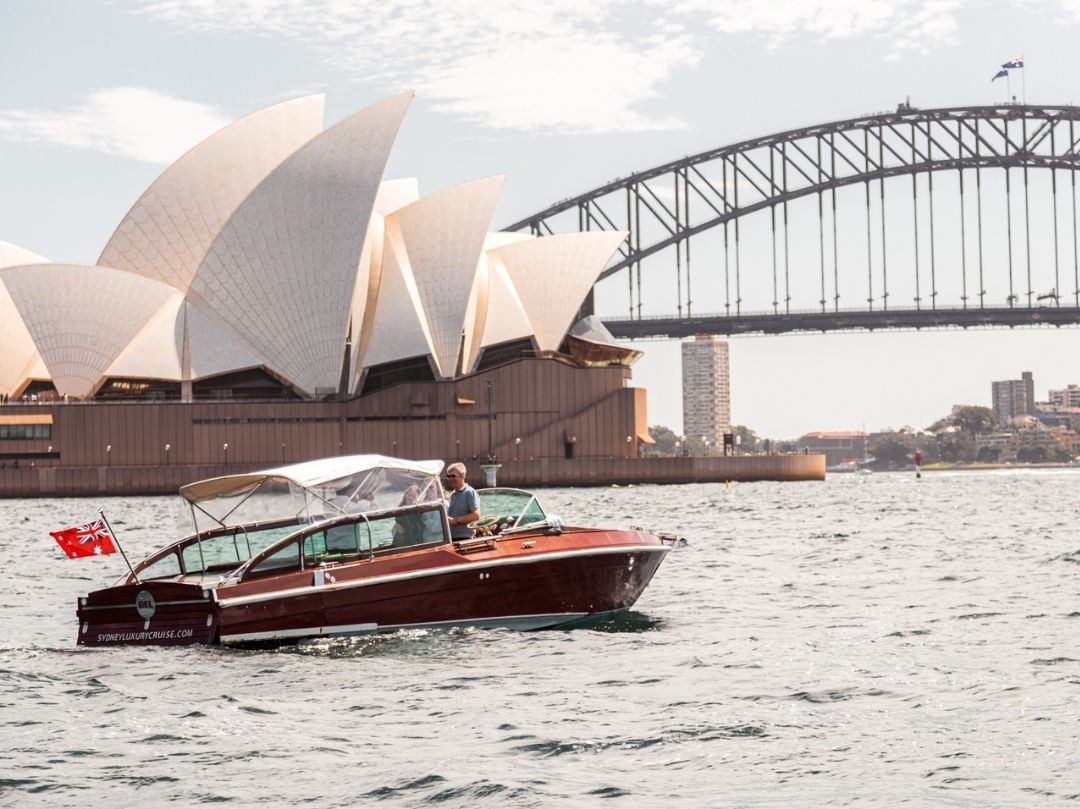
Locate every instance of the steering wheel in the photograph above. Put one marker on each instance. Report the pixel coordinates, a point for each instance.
(483, 525)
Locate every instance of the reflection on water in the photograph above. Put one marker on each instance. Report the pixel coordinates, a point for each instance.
(867, 641)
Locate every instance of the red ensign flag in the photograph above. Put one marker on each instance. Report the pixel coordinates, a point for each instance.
(85, 540)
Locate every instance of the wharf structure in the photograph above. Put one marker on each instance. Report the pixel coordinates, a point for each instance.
(271, 298)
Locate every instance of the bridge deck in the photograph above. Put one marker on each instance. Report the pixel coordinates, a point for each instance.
(770, 323)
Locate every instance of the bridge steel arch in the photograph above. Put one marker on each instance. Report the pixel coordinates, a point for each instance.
(717, 188)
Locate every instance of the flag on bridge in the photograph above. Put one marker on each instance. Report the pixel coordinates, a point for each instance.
(93, 539)
(999, 74)
(1012, 64)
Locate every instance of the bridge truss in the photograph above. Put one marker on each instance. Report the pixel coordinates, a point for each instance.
(908, 257)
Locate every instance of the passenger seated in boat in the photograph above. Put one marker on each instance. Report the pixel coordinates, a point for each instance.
(464, 505)
(409, 528)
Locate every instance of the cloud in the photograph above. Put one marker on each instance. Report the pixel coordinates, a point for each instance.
(559, 66)
(910, 24)
(135, 122)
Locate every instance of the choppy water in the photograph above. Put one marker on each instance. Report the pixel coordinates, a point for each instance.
(868, 641)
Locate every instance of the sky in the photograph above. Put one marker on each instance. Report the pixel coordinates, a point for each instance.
(99, 96)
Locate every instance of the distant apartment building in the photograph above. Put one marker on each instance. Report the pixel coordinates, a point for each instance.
(1066, 397)
(837, 447)
(1013, 397)
(706, 383)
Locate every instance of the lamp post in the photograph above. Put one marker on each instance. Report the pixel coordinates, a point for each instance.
(517, 448)
(225, 449)
(393, 452)
(676, 449)
(282, 451)
(458, 456)
(489, 399)
(167, 448)
(685, 448)
(108, 454)
(629, 441)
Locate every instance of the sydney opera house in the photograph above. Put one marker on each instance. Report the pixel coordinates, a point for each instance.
(272, 297)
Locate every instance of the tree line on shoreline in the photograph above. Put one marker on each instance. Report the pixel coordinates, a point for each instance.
(951, 439)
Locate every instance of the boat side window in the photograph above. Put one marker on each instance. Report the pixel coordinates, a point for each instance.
(166, 567)
(283, 561)
(409, 530)
(219, 553)
(339, 543)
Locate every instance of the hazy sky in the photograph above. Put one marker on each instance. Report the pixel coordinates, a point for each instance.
(98, 97)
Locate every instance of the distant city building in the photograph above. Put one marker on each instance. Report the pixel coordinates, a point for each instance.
(1067, 397)
(1013, 397)
(837, 447)
(706, 388)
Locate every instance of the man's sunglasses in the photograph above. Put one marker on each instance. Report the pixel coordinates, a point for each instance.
(451, 475)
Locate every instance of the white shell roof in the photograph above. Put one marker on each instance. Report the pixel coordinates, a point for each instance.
(156, 351)
(552, 276)
(213, 346)
(399, 329)
(443, 234)
(475, 315)
(393, 194)
(167, 232)
(19, 353)
(506, 318)
(82, 317)
(284, 266)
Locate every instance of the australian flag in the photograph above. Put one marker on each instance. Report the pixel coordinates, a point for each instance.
(1000, 74)
(1012, 64)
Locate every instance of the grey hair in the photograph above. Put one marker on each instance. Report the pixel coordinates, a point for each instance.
(457, 467)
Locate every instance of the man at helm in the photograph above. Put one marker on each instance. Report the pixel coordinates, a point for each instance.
(464, 505)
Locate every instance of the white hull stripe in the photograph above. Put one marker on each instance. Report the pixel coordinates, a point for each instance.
(510, 621)
(434, 571)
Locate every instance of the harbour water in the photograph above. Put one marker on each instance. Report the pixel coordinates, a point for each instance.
(868, 641)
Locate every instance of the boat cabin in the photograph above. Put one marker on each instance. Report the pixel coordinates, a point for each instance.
(319, 514)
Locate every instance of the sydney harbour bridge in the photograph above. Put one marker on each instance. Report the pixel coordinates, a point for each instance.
(915, 218)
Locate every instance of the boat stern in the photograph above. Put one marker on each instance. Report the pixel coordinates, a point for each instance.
(154, 613)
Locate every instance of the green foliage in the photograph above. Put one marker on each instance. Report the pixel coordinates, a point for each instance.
(892, 450)
(748, 438)
(974, 420)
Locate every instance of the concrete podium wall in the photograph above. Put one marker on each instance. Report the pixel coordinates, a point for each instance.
(44, 481)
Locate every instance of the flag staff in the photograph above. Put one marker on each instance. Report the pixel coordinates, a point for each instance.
(119, 547)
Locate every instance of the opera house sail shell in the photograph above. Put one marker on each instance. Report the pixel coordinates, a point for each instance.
(274, 260)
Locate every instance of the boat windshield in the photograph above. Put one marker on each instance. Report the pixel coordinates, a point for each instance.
(515, 507)
(256, 500)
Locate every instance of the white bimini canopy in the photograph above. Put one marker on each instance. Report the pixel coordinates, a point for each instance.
(307, 475)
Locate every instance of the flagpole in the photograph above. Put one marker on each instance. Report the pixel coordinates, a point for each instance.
(119, 547)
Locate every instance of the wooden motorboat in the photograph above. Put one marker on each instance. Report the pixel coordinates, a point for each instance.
(361, 544)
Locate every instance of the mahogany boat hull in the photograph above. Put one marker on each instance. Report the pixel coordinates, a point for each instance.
(528, 581)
